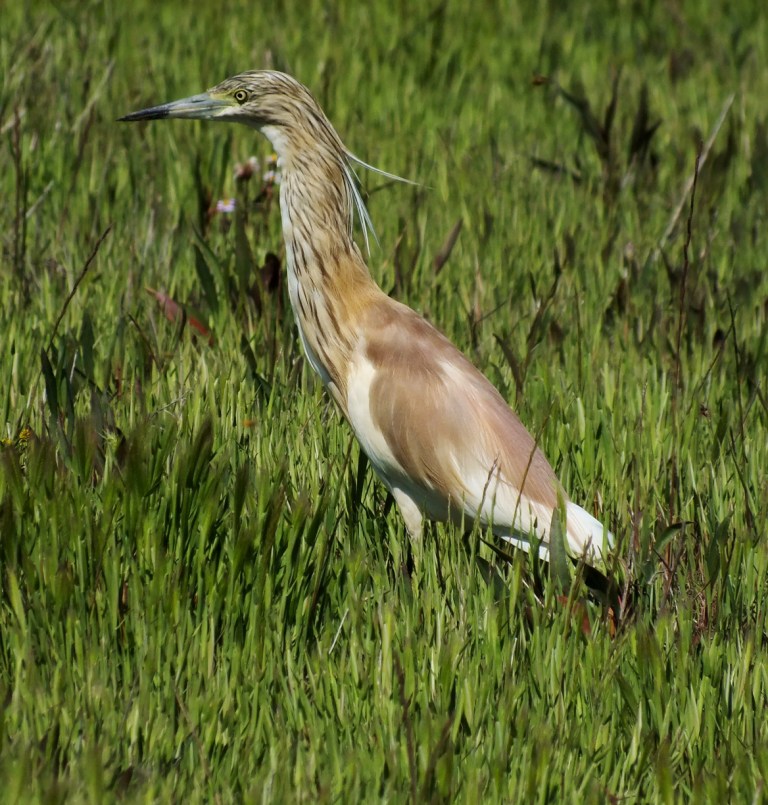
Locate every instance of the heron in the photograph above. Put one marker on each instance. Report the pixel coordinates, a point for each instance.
(436, 431)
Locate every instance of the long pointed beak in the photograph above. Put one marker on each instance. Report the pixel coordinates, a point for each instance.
(196, 107)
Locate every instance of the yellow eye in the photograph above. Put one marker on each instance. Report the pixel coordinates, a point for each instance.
(241, 96)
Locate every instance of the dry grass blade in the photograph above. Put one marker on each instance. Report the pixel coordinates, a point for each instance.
(176, 313)
(441, 258)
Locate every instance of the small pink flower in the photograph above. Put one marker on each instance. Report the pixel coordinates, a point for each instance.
(225, 205)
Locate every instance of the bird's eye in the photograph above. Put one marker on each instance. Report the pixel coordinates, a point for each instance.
(241, 96)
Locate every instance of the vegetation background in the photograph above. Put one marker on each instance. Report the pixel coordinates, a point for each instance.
(205, 594)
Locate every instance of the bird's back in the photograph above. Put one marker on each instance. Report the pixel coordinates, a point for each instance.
(438, 431)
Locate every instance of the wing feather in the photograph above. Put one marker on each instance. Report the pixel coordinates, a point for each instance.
(451, 440)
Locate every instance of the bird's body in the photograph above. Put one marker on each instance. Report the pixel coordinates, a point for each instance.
(436, 431)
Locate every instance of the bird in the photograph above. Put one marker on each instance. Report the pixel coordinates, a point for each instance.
(438, 434)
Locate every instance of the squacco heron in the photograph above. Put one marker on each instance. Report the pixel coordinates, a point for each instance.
(438, 434)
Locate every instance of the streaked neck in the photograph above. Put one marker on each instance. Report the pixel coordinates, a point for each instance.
(328, 282)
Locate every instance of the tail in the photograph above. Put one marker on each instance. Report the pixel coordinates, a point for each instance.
(587, 536)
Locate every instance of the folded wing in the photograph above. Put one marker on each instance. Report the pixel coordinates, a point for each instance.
(441, 436)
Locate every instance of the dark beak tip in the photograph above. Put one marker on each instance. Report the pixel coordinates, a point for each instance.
(154, 113)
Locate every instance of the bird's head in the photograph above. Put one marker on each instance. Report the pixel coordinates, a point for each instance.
(275, 103)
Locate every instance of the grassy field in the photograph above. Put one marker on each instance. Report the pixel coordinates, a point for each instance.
(205, 595)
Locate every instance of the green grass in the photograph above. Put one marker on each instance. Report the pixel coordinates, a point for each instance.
(205, 595)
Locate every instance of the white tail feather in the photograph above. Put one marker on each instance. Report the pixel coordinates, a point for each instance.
(586, 537)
